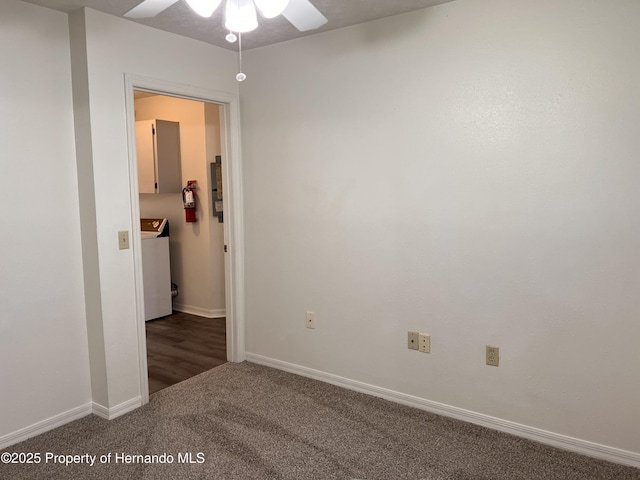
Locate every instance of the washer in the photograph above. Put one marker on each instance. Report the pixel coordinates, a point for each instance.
(156, 267)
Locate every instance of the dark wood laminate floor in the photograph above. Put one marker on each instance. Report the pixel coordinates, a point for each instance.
(181, 345)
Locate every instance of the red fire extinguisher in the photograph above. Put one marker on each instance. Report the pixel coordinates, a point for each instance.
(189, 200)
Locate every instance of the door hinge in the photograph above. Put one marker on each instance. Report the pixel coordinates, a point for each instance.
(153, 130)
(225, 249)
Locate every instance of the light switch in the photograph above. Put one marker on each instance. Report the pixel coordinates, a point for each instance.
(123, 239)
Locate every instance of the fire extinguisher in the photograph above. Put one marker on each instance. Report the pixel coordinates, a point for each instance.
(189, 200)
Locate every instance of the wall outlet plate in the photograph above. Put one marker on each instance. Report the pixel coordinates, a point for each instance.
(311, 319)
(412, 340)
(493, 356)
(424, 343)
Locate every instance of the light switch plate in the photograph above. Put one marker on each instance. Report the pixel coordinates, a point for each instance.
(123, 240)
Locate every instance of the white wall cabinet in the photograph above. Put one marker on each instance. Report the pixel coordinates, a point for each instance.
(158, 151)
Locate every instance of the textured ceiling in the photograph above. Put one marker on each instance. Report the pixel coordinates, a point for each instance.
(180, 19)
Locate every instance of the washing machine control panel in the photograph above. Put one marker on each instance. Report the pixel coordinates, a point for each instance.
(153, 226)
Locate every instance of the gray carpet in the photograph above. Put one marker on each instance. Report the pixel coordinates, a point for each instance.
(253, 422)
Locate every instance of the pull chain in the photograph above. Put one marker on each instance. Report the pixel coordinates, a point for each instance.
(240, 76)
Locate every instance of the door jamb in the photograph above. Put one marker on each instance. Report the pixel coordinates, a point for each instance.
(233, 218)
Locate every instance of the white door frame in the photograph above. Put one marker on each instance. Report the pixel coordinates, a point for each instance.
(233, 214)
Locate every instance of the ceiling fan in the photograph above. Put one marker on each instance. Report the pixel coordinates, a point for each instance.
(240, 15)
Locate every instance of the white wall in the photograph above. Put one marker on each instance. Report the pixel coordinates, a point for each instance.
(114, 47)
(468, 171)
(193, 246)
(43, 336)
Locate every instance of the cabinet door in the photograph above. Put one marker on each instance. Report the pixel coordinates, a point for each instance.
(145, 150)
(168, 163)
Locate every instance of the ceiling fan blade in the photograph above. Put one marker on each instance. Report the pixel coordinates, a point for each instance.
(149, 8)
(303, 15)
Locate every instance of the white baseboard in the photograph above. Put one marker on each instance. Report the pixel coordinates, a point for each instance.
(564, 442)
(69, 416)
(202, 312)
(116, 411)
(45, 425)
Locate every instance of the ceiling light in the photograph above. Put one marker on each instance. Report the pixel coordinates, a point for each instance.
(241, 16)
(271, 8)
(204, 8)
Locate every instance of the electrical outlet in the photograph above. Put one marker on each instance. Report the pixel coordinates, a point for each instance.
(311, 320)
(123, 240)
(493, 356)
(424, 343)
(413, 340)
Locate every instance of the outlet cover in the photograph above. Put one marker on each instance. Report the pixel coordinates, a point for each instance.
(424, 343)
(311, 320)
(493, 356)
(412, 340)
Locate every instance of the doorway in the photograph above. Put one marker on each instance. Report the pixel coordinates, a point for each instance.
(178, 142)
(232, 258)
